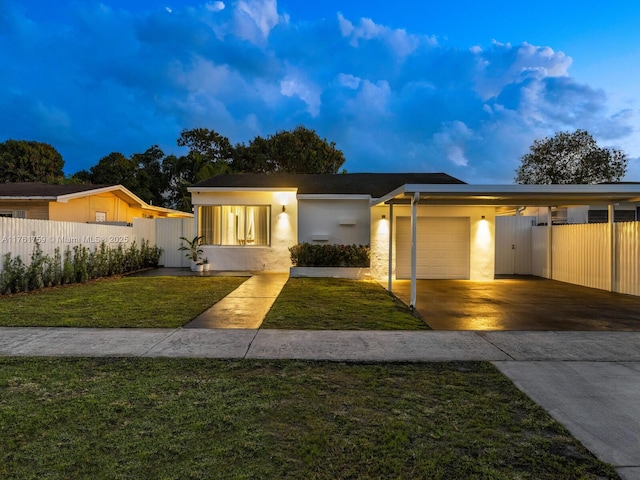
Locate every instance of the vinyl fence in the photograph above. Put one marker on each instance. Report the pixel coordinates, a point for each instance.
(19, 236)
(581, 255)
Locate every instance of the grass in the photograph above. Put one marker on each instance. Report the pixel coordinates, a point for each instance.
(162, 302)
(337, 304)
(196, 419)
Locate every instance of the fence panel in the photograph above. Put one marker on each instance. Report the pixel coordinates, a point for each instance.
(513, 245)
(539, 251)
(168, 233)
(581, 254)
(18, 236)
(628, 257)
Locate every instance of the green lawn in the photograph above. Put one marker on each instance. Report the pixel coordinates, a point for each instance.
(210, 419)
(337, 304)
(162, 302)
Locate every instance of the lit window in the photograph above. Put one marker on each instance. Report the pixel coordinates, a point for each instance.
(244, 225)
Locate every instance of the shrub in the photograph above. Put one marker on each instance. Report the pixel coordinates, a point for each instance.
(311, 255)
(78, 265)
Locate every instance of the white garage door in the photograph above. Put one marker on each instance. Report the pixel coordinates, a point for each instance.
(442, 247)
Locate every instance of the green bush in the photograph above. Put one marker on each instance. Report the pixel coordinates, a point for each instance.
(311, 255)
(78, 265)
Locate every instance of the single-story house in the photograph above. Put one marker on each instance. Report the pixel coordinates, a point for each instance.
(419, 225)
(110, 204)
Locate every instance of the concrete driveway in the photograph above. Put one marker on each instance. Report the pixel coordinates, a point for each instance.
(523, 303)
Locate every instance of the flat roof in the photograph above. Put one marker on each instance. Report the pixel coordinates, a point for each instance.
(513, 195)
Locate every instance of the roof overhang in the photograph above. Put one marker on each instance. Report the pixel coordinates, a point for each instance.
(513, 195)
(322, 196)
(240, 189)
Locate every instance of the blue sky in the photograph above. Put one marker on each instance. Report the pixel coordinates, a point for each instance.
(462, 87)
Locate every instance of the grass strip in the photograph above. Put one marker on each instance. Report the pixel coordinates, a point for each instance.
(159, 302)
(339, 304)
(212, 419)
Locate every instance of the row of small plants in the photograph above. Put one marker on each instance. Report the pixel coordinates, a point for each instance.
(317, 255)
(74, 265)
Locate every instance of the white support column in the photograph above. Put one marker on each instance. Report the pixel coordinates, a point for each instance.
(549, 245)
(195, 220)
(612, 249)
(414, 237)
(390, 268)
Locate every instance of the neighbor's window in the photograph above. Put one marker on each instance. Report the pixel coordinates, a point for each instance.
(244, 225)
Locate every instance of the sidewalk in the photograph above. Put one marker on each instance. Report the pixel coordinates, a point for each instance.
(588, 381)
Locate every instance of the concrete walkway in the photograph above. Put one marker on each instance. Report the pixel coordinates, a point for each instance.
(246, 306)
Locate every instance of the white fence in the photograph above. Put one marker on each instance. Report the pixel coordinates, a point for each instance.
(19, 236)
(168, 233)
(513, 245)
(581, 254)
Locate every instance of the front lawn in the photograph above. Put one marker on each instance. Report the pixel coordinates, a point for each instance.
(161, 302)
(212, 419)
(338, 304)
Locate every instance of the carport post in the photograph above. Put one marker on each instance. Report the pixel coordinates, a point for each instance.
(414, 238)
(390, 268)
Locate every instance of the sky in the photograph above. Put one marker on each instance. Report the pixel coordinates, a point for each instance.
(462, 87)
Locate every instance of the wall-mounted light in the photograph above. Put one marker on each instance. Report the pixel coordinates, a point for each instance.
(482, 218)
(284, 208)
(384, 216)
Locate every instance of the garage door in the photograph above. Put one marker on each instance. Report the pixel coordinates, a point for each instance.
(442, 247)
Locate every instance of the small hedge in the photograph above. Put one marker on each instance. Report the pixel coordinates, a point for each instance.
(76, 265)
(312, 255)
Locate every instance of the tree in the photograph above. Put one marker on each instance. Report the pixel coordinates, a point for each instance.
(114, 169)
(300, 150)
(151, 182)
(573, 158)
(212, 147)
(29, 161)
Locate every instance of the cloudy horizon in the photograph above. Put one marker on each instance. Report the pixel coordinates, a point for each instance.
(91, 78)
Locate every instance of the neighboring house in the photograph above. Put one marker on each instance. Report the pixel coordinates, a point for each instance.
(419, 225)
(623, 212)
(111, 204)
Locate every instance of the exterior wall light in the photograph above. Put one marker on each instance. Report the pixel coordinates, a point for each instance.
(384, 216)
(482, 218)
(284, 208)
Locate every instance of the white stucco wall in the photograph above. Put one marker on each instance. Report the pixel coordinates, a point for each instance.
(340, 221)
(481, 242)
(284, 227)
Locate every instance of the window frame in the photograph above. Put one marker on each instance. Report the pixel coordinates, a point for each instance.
(217, 225)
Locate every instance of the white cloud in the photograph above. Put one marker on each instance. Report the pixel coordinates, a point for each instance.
(256, 18)
(349, 81)
(294, 85)
(215, 6)
(398, 40)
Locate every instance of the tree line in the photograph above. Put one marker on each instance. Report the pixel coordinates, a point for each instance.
(161, 179)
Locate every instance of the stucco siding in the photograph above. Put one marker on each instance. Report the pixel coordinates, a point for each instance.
(481, 241)
(343, 222)
(85, 209)
(284, 227)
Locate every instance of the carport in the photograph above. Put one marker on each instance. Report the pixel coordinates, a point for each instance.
(489, 197)
(520, 303)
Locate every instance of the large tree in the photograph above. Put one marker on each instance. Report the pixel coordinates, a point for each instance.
(29, 161)
(151, 181)
(570, 158)
(300, 150)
